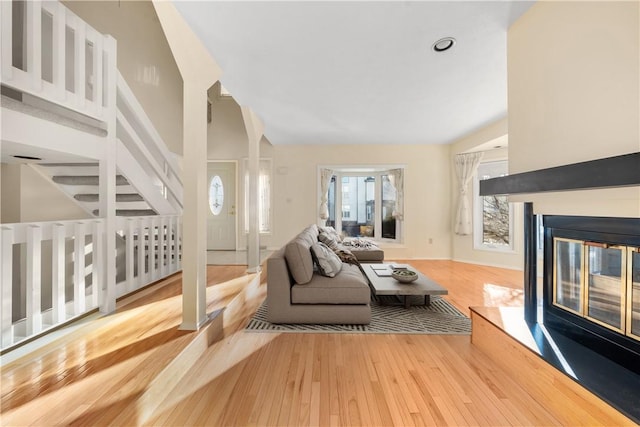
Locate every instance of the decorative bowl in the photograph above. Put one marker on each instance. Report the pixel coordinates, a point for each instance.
(404, 275)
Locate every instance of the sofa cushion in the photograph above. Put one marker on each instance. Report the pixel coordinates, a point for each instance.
(327, 261)
(298, 255)
(374, 254)
(349, 286)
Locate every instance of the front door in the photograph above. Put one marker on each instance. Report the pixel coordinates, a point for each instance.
(221, 219)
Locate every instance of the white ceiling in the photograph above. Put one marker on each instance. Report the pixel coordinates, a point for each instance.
(361, 72)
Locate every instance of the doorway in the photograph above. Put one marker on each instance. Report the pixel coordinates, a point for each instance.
(221, 212)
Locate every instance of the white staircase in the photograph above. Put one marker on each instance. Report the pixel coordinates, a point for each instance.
(63, 96)
(80, 182)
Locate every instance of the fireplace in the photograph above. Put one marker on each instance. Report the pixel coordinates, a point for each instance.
(592, 283)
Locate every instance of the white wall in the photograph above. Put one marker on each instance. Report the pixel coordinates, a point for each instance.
(144, 60)
(574, 95)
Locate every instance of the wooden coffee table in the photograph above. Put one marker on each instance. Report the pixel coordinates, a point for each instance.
(381, 282)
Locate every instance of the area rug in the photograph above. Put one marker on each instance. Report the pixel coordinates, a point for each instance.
(438, 318)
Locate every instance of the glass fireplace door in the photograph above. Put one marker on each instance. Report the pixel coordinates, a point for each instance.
(606, 285)
(633, 289)
(567, 278)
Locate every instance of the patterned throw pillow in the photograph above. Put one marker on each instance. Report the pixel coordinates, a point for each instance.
(331, 232)
(327, 261)
(328, 240)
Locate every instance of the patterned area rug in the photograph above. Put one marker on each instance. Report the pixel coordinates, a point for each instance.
(439, 318)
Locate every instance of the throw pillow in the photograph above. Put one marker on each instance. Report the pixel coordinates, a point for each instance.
(331, 232)
(328, 262)
(328, 240)
(299, 260)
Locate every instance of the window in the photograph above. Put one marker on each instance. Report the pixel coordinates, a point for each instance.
(365, 200)
(216, 195)
(493, 215)
(264, 196)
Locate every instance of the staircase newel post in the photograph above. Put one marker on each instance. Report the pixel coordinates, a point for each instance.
(108, 184)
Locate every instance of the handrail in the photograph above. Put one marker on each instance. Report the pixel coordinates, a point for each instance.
(144, 138)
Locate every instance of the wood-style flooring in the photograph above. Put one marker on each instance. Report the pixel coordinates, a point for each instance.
(94, 377)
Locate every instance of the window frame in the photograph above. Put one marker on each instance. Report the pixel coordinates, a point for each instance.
(363, 171)
(478, 205)
(268, 162)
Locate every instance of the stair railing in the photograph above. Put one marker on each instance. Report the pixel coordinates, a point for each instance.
(52, 54)
(49, 276)
(140, 137)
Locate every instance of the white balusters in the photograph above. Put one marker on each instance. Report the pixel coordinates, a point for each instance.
(58, 251)
(130, 258)
(34, 289)
(78, 270)
(59, 54)
(34, 43)
(6, 40)
(59, 63)
(6, 306)
(97, 269)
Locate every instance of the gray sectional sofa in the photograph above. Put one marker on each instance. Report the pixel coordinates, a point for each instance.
(297, 292)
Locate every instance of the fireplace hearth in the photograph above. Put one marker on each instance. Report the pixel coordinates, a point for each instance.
(592, 284)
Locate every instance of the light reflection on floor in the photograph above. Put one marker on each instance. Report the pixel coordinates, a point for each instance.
(496, 296)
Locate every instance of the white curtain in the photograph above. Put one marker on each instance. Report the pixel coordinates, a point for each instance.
(397, 182)
(325, 180)
(466, 166)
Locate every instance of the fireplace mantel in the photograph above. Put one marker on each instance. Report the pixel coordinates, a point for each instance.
(617, 171)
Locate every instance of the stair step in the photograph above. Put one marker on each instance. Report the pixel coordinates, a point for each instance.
(130, 212)
(85, 180)
(133, 197)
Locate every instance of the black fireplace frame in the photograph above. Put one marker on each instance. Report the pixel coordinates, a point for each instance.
(624, 231)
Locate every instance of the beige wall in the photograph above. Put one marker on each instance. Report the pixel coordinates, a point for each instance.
(144, 60)
(10, 193)
(485, 140)
(427, 190)
(574, 95)
(29, 197)
(295, 182)
(41, 200)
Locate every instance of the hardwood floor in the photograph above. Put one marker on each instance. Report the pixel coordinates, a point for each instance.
(97, 377)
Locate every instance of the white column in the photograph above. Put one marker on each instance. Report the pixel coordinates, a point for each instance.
(194, 249)
(107, 187)
(255, 129)
(199, 72)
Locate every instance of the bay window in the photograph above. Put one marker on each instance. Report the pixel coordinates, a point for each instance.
(363, 203)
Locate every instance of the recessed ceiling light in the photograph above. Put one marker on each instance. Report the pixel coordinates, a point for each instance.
(26, 157)
(443, 44)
